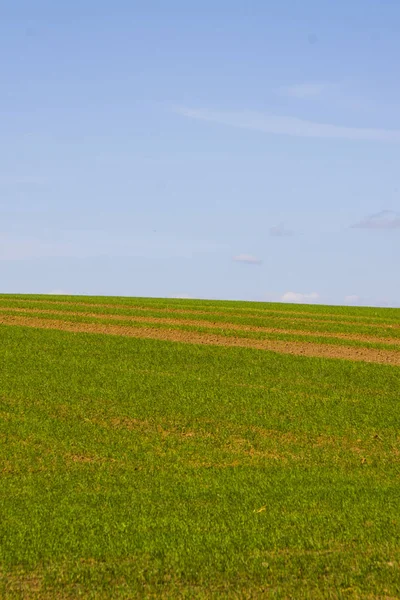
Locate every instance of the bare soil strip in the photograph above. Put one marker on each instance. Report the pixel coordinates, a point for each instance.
(391, 357)
(210, 325)
(172, 311)
(261, 314)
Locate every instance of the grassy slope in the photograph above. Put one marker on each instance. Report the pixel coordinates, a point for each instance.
(146, 467)
(297, 325)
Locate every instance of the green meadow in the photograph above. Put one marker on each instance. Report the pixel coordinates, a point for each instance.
(145, 468)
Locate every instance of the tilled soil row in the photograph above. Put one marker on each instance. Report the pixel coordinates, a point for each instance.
(298, 315)
(303, 320)
(210, 325)
(391, 357)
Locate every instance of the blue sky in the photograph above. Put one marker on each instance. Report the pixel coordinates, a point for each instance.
(214, 149)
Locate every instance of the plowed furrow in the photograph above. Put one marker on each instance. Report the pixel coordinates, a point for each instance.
(291, 315)
(211, 325)
(391, 357)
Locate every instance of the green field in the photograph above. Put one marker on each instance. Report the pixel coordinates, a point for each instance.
(141, 457)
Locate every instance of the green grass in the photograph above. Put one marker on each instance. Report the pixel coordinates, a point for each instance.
(135, 468)
(386, 314)
(221, 328)
(383, 316)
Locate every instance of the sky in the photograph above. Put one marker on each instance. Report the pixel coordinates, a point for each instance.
(208, 149)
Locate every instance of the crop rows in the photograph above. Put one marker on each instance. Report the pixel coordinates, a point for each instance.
(195, 449)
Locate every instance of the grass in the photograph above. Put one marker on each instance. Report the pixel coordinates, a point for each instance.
(392, 343)
(136, 468)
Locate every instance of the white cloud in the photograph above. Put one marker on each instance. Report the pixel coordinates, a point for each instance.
(296, 297)
(386, 219)
(248, 259)
(305, 90)
(280, 231)
(292, 126)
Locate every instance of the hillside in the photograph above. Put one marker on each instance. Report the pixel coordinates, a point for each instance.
(198, 449)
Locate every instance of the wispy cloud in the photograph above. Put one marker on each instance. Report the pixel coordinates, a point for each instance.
(355, 300)
(15, 180)
(386, 219)
(248, 259)
(305, 90)
(96, 243)
(280, 231)
(297, 297)
(291, 126)
(21, 247)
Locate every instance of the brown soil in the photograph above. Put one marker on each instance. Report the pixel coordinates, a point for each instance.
(391, 357)
(254, 314)
(211, 325)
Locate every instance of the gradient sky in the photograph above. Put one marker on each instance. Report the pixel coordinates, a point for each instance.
(214, 149)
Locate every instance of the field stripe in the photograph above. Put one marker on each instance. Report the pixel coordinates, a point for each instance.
(248, 313)
(209, 325)
(310, 349)
(301, 322)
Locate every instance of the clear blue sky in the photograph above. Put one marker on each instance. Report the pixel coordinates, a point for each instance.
(219, 149)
